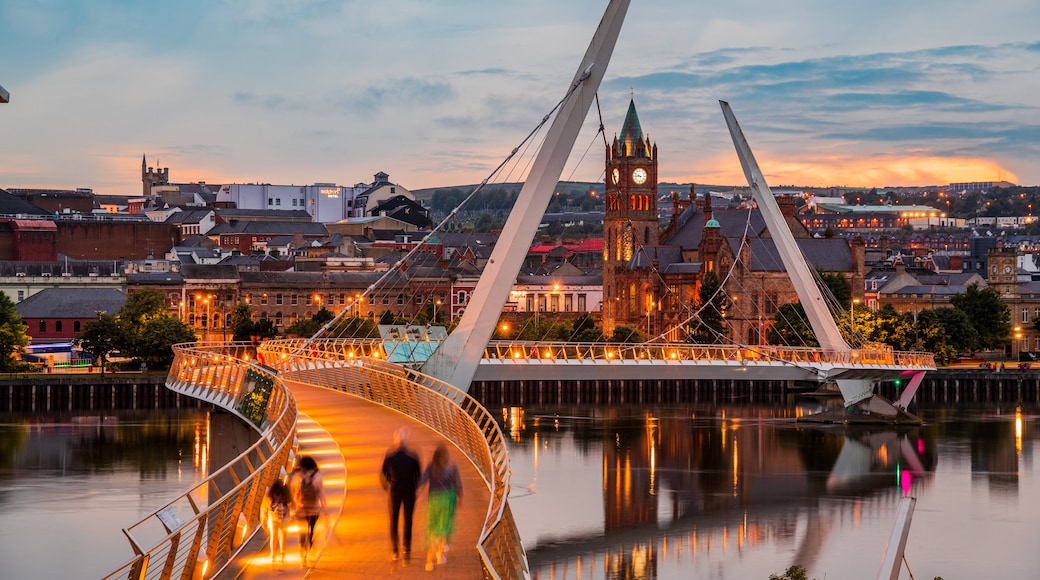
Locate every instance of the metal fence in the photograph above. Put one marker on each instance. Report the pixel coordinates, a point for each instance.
(445, 409)
(197, 533)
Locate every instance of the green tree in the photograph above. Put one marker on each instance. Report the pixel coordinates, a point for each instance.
(839, 287)
(143, 305)
(263, 329)
(933, 337)
(894, 329)
(240, 321)
(154, 344)
(791, 327)
(625, 334)
(710, 325)
(585, 329)
(962, 335)
(13, 338)
(303, 328)
(988, 314)
(99, 338)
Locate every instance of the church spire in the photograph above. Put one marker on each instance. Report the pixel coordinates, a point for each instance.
(631, 132)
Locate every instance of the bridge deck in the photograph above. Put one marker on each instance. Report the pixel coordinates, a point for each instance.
(359, 543)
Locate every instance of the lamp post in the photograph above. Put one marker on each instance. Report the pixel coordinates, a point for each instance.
(435, 304)
(852, 318)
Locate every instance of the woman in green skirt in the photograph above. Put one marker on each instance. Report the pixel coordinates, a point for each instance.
(444, 494)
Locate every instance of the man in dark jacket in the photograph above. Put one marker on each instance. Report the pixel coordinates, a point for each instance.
(400, 475)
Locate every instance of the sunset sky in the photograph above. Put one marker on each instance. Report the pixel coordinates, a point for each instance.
(438, 93)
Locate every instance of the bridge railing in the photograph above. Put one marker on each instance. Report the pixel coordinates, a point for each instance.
(458, 417)
(599, 351)
(200, 531)
(500, 350)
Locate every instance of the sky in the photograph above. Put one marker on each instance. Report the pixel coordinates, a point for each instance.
(437, 93)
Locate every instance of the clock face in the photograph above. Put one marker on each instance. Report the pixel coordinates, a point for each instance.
(616, 175)
(639, 176)
(1007, 269)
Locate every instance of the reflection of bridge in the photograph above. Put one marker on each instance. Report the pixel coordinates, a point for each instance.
(211, 522)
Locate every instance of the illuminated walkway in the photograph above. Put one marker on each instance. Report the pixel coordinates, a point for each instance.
(349, 438)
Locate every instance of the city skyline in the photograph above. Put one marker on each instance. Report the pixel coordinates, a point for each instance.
(437, 94)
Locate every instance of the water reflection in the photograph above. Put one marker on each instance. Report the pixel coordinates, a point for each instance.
(739, 490)
(69, 483)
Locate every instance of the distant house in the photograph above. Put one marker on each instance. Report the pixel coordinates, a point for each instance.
(58, 314)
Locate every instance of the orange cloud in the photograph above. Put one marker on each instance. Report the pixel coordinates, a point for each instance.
(876, 170)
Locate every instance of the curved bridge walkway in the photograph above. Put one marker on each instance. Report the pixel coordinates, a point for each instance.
(349, 437)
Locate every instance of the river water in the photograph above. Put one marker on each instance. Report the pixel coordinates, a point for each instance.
(684, 490)
(69, 482)
(739, 490)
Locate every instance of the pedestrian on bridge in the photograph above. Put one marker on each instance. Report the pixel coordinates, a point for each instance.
(308, 493)
(275, 512)
(444, 493)
(400, 476)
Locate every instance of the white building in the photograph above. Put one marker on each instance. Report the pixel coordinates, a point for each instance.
(325, 202)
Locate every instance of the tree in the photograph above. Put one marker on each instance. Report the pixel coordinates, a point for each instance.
(710, 325)
(100, 338)
(240, 321)
(987, 313)
(795, 572)
(585, 329)
(307, 327)
(962, 335)
(894, 329)
(12, 335)
(143, 305)
(625, 334)
(791, 327)
(154, 344)
(839, 287)
(263, 329)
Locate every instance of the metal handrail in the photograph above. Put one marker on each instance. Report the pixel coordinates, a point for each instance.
(501, 350)
(201, 530)
(342, 366)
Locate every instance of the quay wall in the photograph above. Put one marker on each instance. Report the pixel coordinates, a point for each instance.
(41, 393)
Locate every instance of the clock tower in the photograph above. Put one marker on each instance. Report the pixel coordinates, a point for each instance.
(630, 218)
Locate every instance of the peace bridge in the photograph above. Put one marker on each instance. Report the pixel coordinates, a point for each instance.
(339, 399)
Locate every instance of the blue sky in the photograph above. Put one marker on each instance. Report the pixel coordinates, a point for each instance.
(437, 93)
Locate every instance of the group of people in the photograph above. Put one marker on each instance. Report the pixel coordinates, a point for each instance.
(303, 499)
(402, 475)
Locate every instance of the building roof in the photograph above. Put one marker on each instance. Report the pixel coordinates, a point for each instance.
(71, 303)
(270, 228)
(826, 254)
(14, 205)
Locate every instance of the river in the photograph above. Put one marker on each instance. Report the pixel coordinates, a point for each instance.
(744, 490)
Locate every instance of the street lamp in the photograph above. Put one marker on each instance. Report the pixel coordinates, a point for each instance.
(435, 304)
(852, 317)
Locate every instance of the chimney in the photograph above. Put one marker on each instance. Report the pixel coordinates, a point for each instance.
(957, 263)
(786, 203)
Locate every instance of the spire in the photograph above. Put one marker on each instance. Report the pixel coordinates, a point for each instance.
(144, 160)
(631, 132)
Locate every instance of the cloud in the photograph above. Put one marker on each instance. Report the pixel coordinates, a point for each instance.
(401, 92)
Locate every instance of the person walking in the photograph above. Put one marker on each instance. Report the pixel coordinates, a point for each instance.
(308, 493)
(400, 476)
(275, 512)
(444, 494)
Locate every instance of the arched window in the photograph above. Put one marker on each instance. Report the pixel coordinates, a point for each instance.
(57, 326)
(75, 326)
(43, 326)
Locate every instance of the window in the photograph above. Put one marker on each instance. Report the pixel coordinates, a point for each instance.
(386, 300)
(43, 326)
(400, 299)
(278, 299)
(772, 303)
(75, 326)
(263, 299)
(568, 302)
(581, 303)
(249, 298)
(309, 300)
(554, 303)
(278, 201)
(393, 189)
(294, 202)
(1025, 315)
(342, 299)
(461, 297)
(294, 299)
(278, 319)
(57, 326)
(754, 307)
(270, 202)
(529, 307)
(21, 296)
(418, 299)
